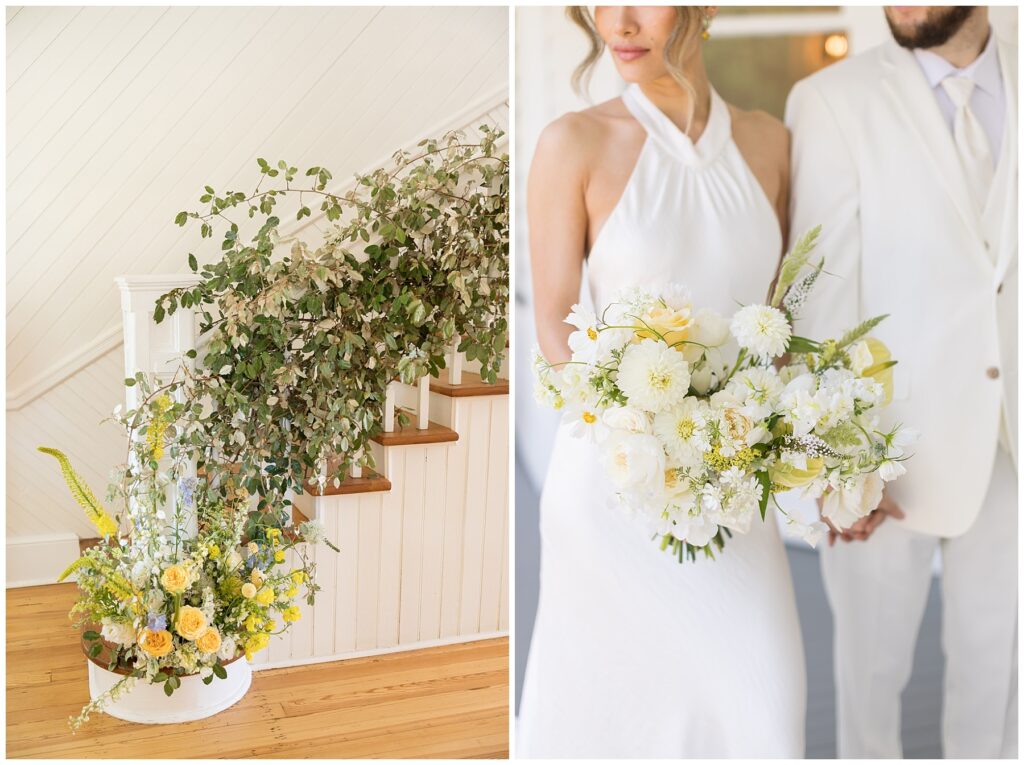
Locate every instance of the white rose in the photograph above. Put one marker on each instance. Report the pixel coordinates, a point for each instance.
(626, 418)
(634, 461)
(227, 649)
(852, 499)
(117, 632)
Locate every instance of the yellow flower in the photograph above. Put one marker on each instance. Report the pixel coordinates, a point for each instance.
(250, 623)
(878, 370)
(792, 477)
(156, 643)
(279, 556)
(209, 641)
(292, 592)
(174, 578)
(298, 576)
(257, 642)
(274, 533)
(191, 623)
(265, 596)
(253, 548)
(270, 626)
(248, 590)
(291, 614)
(256, 577)
(213, 551)
(671, 323)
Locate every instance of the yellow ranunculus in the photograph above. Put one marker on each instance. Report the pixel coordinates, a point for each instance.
(878, 371)
(174, 579)
(792, 477)
(265, 596)
(279, 556)
(191, 622)
(248, 590)
(156, 642)
(673, 324)
(291, 614)
(209, 641)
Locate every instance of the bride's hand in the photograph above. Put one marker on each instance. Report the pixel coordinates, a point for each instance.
(865, 527)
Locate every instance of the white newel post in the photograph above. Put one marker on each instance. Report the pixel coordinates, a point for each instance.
(157, 349)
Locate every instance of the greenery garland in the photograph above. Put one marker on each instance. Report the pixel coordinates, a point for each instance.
(298, 349)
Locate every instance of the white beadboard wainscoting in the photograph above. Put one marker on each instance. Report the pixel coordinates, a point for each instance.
(135, 89)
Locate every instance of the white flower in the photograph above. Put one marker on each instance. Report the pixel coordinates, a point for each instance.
(890, 470)
(683, 432)
(312, 531)
(585, 423)
(860, 357)
(625, 418)
(584, 341)
(758, 388)
(697, 529)
(234, 560)
(227, 649)
(634, 461)
(653, 376)
(205, 672)
(811, 533)
(852, 499)
(575, 385)
(762, 330)
(117, 632)
(800, 406)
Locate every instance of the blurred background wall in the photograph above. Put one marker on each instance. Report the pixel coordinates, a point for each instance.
(754, 56)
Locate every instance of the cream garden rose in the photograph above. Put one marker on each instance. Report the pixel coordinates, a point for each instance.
(156, 643)
(209, 641)
(191, 622)
(174, 579)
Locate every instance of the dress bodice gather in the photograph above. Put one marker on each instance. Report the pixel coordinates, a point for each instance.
(634, 654)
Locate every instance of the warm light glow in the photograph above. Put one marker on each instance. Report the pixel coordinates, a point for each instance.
(836, 45)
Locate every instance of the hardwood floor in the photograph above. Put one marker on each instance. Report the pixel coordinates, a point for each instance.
(447, 702)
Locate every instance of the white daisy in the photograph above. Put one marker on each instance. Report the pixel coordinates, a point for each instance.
(683, 431)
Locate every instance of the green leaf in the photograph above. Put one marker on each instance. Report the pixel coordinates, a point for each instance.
(91, 635)
(766, 491)
(219, 671)
(181, 218)
(95, 650)
(193, 263)
(208, 679)
(802, 345)
(168, 688)
(129, 382)
(160, 677)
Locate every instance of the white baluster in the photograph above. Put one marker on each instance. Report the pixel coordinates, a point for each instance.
(389, 408)
(423, 406)
(455, 368)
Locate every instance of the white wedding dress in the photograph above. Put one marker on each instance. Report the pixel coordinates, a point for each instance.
(633, 653)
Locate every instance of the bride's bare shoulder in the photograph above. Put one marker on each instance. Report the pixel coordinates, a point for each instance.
(578, 137)
(760, 132)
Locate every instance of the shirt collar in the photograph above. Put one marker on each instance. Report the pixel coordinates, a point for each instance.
(984, 70)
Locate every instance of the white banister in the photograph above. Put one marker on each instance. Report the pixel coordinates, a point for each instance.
(423, 403)
(455, 367)
(389, 408)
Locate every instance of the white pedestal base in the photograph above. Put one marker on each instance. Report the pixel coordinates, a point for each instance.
(147, 703)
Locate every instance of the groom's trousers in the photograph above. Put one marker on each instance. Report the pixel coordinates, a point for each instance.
(878, 590)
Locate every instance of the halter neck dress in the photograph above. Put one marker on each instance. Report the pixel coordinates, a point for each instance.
(634, 654)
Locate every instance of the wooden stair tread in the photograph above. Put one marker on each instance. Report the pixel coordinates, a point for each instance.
(410, 434)
(472, 385)
(370, 481)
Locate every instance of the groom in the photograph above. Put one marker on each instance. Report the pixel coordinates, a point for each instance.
(907, 156)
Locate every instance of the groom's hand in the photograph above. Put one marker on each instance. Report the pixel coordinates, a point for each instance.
(865, 527)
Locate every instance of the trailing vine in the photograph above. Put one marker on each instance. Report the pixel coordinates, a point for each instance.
(299, 343)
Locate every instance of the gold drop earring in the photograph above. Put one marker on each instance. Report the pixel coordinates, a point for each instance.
(705, 33)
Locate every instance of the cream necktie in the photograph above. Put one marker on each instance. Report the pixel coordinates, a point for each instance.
(971, 141)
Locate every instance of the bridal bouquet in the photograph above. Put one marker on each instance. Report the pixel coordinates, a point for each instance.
(192, 582)
(700, 420)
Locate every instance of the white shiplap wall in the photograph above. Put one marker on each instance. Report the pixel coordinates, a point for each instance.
(116, 119)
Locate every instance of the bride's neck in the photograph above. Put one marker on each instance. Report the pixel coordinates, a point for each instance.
(675, 101)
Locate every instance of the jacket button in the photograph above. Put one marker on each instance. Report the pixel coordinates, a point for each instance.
(992, 372)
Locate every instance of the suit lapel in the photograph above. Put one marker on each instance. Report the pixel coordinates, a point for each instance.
(1005, 183)
(913, 100)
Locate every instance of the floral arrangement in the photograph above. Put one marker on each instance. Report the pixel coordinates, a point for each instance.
(700, 421)
(181, 591)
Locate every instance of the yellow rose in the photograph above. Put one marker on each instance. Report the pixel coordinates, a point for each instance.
(174, 579)
(291, 614)
(671, 323)
(878, 371)
(793, 477)
(209, 641)
(156, 643)
(191, 623)
(248, 590)
(256, 577)
(279, 556)
(265, 596)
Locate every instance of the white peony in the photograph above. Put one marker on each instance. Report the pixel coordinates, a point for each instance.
(634, 461)
(117, 632)
(852, 499)
(653, 376)
(626, 418)
(762, 330)
(683, 431)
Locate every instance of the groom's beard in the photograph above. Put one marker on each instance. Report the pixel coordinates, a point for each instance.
(941, 24)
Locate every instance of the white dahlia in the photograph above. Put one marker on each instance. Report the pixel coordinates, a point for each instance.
(762, 330)
(653, 376)
(683, 431)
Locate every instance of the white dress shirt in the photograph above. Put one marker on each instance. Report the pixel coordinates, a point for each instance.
(988, 100)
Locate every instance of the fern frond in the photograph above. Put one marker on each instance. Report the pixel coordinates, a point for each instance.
(83, 495)
(860, 330)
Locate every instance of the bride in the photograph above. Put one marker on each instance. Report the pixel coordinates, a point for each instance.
(633, 653)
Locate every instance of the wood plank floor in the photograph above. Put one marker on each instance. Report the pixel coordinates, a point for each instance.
(447, 702)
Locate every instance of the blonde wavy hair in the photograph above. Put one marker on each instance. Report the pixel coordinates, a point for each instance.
(689, 22)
